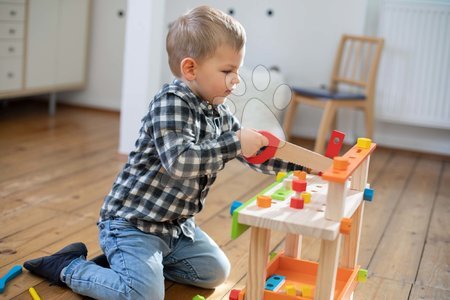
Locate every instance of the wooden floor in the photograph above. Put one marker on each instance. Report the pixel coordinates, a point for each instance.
(54, 173)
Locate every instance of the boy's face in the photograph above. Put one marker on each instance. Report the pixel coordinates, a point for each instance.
(217, 76)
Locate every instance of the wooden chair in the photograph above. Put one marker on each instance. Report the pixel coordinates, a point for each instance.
(356, 66)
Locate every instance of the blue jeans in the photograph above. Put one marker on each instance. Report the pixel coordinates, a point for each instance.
(140, 261)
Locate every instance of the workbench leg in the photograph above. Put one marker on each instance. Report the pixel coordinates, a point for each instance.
(328, 264)
(359, 177)
(258, 258)
(350, 253)
(293, 245)
(335, 201)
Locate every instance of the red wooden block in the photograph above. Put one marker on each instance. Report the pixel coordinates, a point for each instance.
(234, 294)
(299, 185)
(335, 144)
(296, 203)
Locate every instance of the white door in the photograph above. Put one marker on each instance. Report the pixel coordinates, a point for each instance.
(71, 42)
(106, 49)
(41, 43)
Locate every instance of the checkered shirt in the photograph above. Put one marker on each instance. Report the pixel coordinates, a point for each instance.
(183, 143)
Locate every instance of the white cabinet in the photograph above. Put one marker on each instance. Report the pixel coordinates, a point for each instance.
(41, 43)
(11, 74)
(11, 45)
(49, 38)
(71, 42)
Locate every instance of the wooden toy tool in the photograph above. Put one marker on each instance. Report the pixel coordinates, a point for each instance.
(290, 152)
(12, 273)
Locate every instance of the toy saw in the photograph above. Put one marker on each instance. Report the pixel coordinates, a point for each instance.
(290, 152)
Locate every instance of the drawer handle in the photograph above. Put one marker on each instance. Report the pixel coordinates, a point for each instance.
(11, 49)
(10, 75)
(12, 13)
(12, 31)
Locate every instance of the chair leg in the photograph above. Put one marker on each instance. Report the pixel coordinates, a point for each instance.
(369, 122)
(289, 119)
(325, 124)
(333, 125)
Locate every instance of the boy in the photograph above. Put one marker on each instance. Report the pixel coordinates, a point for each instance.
(146, 227)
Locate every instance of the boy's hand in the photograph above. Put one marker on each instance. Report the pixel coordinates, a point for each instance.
(251, 141)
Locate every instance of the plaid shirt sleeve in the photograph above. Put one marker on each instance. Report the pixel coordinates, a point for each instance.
(271, 166)
(186, 149)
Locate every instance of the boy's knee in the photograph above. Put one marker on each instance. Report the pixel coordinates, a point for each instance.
(145, 291)
(219, 270)
(222, 273)
(146, 286)
(153, 292)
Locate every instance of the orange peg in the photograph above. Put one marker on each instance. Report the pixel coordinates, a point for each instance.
(300, 175)
(340, 163)
(263, 201)
(346, 226)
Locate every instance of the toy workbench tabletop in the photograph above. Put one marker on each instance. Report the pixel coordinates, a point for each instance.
(309, 221)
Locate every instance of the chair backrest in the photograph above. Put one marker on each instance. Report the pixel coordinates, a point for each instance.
(356, 63)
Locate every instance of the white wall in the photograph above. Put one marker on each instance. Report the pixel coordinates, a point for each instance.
(142, 66)
(414, 74)
(300, 37)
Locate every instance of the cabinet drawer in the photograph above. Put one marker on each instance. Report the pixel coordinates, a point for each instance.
(11, 30)
(11, 48)
(13, 1)
(12, 12)
(10, 74)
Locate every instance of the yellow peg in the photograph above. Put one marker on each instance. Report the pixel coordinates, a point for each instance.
(306, 197)
(363, 143)
(290, 290)
(34, 294)
(281, 175)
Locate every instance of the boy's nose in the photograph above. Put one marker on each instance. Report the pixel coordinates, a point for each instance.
(232, 80)
(236, 79)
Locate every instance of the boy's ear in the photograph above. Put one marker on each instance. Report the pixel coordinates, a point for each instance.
(188, 68)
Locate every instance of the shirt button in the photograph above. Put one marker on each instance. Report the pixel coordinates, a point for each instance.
(209, 106)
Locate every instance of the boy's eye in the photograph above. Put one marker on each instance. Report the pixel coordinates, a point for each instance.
(226, 72)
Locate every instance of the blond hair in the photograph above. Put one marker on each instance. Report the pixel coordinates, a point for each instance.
(199, 32)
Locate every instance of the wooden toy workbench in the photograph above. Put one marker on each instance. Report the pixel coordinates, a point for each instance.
(329, 207)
